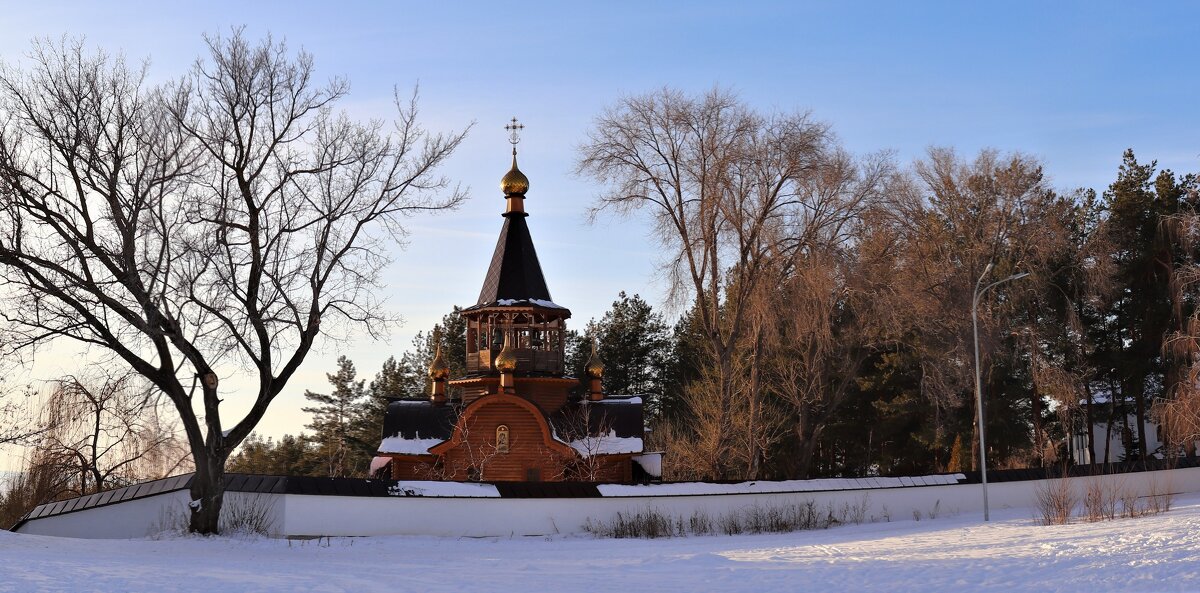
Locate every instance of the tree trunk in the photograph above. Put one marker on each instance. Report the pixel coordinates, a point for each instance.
(975, 433)
(1039, 445)
(1091, 425)
(754, 453)
(1139, 399)
(208, 492)
(720, 460)
(806, 435)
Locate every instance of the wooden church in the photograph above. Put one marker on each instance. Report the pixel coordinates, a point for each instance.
(517, 419)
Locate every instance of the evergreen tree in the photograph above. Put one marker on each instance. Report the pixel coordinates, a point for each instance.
(683, 365)
(289, 456)
(635, 345)
(332, 421)
(407, 378)
(1141, 308)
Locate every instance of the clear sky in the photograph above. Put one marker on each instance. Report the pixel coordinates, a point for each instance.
(1074, 83)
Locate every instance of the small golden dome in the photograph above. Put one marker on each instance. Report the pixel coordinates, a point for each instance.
(514, 182)
(438, 369)
(506, 361)
(595, 368)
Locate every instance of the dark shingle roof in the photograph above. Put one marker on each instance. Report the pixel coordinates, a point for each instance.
(420, 419)
(622, 415)
(514, 273)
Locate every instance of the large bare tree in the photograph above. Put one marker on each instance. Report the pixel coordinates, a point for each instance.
(223, 222)
(955, 218)
(730, 191)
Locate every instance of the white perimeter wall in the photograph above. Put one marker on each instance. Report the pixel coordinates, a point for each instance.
(305, 515)
(152, 515)
(481, 517)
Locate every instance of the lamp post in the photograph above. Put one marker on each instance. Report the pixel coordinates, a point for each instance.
(978, 388)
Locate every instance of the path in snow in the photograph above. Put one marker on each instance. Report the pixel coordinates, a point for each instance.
(1158, 553)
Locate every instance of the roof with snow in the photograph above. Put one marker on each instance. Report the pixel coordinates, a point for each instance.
(615, 416)
(419, 419)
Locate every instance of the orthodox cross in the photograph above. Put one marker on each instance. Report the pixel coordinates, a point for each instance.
(514, 133)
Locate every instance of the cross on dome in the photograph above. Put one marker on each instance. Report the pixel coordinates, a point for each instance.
(514, 133)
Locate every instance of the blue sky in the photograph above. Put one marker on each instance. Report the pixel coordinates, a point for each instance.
(1073, 83)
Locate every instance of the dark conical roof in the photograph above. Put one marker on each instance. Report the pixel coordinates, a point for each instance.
(515, 274)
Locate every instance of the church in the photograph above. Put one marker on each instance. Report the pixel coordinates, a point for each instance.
(520, 417)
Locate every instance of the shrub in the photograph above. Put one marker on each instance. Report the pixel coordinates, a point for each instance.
(1056, 501)
(1100, 500)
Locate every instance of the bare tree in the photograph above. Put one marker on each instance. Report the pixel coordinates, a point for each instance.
(955, 217)
(828, 315)
(107, 430)
(1179, 414)
(223, 221)
(727, 189)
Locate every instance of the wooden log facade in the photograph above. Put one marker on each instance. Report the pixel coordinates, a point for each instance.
(520, 417)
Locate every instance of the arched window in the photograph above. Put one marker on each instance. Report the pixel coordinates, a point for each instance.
(502, 439)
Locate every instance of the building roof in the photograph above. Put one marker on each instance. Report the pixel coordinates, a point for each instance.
(514, 274)
(615, 416)
(420, 419)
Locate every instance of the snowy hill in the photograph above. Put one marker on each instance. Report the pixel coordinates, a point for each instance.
(958, 553)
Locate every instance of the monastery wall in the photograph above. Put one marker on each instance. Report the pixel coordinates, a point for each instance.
(452, 509)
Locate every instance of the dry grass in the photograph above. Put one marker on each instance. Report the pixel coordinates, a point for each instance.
(807, 515)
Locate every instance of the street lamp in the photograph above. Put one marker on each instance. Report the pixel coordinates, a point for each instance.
(978, 388)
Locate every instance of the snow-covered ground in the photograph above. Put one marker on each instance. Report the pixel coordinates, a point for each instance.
(1011, 554)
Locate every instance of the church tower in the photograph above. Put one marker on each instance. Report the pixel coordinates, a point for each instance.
(514, 307)
(516, 419)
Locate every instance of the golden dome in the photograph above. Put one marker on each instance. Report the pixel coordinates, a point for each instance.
(595, 368)
(514, 182)
(506, 361)
(438, 369)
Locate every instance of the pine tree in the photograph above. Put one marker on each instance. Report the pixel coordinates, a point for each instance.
(1141, 309)
(407, 378)
(289, 456)
(634, 343)
(332, 421)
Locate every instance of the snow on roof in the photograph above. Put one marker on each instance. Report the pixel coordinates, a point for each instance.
(538, 302)
(764, 487)
(651, 463)
(433, 488)
(608, 444)
(377, 463)
(619, 399)
(401, 445)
